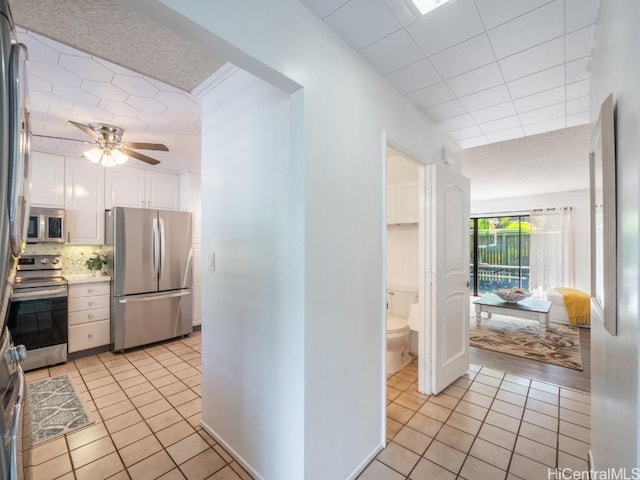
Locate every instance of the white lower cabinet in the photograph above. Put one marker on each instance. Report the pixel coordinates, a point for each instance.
(89, 312)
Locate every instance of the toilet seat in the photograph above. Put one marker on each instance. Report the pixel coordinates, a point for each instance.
(396, 325)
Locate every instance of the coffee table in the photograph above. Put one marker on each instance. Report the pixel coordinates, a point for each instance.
(528, 309)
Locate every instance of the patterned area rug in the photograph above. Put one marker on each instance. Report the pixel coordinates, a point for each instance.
(55, 408)
(519, 337)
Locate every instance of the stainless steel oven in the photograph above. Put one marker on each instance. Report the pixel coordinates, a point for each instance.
(46, 225)
(38, 310)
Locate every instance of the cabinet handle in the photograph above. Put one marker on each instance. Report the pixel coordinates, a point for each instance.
(89, 302)
(90, 336)
(90, 315)
(89, 290)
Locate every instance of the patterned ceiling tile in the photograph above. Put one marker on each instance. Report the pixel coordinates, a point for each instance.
(54, 74)
(104, 90)
(86, 68)
(146, 104)
(135, 85)
(75, 95)
(119, 108)
(177, 100)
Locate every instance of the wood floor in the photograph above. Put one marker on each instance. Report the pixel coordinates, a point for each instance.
(566, 377)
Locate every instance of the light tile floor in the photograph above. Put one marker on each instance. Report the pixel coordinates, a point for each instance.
(487, 425)
(146, 407)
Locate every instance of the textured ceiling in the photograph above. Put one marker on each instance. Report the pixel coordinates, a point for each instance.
(112, 32)
(484, 70)
(547, 163)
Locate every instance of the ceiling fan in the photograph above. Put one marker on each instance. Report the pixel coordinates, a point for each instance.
(110, 149)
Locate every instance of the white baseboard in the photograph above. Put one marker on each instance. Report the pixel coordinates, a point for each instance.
(231, 451)
(360, 468)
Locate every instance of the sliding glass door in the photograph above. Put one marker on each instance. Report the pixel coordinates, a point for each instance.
(499, 255)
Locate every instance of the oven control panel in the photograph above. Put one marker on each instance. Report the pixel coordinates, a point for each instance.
(40, 262)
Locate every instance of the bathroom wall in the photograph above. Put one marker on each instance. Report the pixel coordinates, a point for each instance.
(402, 240)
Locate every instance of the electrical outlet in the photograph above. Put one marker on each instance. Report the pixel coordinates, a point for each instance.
(212, 262)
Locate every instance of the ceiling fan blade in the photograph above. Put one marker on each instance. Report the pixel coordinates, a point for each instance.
(63, 138)
(140, 156)
(86, 129)
(145, 146)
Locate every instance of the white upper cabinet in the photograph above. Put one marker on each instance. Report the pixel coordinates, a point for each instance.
(84, 202)
(47, 180)
(163, 191)
(125, 188)
(402, 203)
(132, 187)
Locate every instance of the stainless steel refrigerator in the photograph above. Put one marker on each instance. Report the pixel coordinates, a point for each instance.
(151, 267)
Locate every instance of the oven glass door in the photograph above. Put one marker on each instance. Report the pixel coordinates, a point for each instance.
(38, 323)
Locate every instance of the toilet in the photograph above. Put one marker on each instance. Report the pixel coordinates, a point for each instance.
(399, 301)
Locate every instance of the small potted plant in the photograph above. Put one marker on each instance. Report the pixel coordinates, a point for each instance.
(96, 262)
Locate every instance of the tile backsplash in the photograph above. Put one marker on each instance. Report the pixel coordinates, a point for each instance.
(73, 256)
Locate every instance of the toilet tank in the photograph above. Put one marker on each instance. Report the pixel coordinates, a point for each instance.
(399, 299)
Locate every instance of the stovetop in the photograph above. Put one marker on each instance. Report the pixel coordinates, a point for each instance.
(39, 271)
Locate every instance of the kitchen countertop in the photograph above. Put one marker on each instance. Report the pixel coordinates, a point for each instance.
(86, 278)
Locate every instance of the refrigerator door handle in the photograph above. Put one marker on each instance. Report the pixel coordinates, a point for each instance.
(162, 247)
(153, 298)
(155, 244)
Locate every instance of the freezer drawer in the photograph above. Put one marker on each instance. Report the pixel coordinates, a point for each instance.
(142, 319)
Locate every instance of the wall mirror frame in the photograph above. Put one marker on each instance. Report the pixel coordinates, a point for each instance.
(602, 170)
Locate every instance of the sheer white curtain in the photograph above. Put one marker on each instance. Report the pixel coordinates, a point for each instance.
(551, 254)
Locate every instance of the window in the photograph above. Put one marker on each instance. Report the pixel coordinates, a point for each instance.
(499, 254)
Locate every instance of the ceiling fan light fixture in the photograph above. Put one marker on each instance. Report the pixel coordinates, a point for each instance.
(425, 6)
(94, 155)
(106, 157)
(119, 157)
(111, 151)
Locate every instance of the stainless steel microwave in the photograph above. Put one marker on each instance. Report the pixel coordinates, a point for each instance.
(46, 225)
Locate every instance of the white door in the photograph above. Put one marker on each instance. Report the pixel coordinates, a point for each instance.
(449, 265)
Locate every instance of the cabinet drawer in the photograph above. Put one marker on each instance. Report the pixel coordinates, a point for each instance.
(87, 316)
(88, 289)
(86, 303)
(89, 335)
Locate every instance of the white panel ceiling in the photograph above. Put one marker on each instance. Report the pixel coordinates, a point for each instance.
(483, 70)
